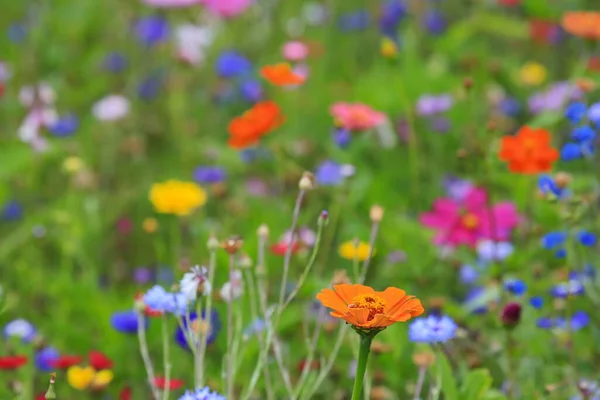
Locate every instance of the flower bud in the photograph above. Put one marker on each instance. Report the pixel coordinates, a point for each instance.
(244, 261)
(213, 243)
(263, 231)
(50, 395)
(376, 214)
(307, 182)
(323, 219)
(233, 244)
(511, 315)
(562, 179)
(423, 359)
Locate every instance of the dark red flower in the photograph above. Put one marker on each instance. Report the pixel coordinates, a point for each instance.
(174, 384)
(280, 248)
(64, 362)
(593, 64)
(125, 393)
(12, 362)
(99, 361)
(511, 315)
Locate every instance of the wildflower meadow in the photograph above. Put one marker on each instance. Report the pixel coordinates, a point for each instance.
(319, 199)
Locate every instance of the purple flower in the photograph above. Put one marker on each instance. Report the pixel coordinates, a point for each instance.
(150, 87)
(441, 124)
(435, 22)
(456, 188)
(392, 12)
(554, 98)
(151, 30)
(114, 62)
(251, 90)
(354, 21)
(65, 126)
(431, 105)
(213, 326)
(44, 358)
(143, 275)
(11, 211)
(329, 173)
(231, 64)
(342, 137)
(126, 322)
(209, 175)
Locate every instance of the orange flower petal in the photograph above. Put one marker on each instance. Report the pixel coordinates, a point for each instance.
(348, 292)
(391, 296)
(380, 321)
(332, 299)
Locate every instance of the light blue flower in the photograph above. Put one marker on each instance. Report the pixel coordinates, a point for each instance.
(19, 328)
(202, 394)
(489, 250)
(432, 329)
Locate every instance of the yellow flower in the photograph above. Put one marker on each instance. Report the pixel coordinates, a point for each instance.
(177, 197)
(102, 379)
(350, 251)
(80, 377)
(72, 165)
(150, 225)
(388, 49)
(533, 74)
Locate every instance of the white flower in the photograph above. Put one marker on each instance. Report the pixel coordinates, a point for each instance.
(347, 170)
(192, 41)
(191, 280)
(111, 108)
(42, 92)
(488, 250)
(30, 129)
(233, 289)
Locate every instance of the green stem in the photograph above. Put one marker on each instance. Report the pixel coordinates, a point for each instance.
(167, 362)
(361, 366)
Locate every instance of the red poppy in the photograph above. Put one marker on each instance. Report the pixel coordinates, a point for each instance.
(12, 362)
(125, 393)
(174, 384)
(99, 361)
(280, 248)
(64, 362)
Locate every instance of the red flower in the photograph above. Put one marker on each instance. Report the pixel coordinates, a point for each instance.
(41, 396)
(509, 3)
(64, 362)
(593, 64)
(174, 384)
(280, 248)
(99, 361)
(542, 31)
(12, 362)
(125, 393)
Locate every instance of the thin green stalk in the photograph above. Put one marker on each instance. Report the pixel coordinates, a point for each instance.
(207, 315)
(197, 343)
(229, 357)
(361, 366)
(146, 355)
(166, 357)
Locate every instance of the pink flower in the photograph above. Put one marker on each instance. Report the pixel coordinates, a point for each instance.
(227, 8)
(295, 51)
(356, 116)
(172, 3)
(470, 220)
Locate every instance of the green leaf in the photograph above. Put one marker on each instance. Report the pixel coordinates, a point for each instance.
(494, 395)
(546, 120)
(499, 25)
(446, 377)
(476, 385)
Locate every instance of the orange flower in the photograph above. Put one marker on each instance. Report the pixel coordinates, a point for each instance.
(281, 75)
(584, 24)
(529, 151)
(364, 308)
(247, 129)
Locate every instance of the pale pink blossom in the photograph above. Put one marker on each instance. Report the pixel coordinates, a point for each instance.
(111, 108)
(227, 8)
(172, 3)
(356, 116)
(192, 42)
(295, 51)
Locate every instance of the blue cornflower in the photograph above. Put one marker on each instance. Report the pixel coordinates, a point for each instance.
(201, 394)
(575, 150)
(586, 238)
(329, 173)
(468, 274)
(579, 320)
(44, 358)
(594, 114)
(432, 329)
(547, 185)
(17, 32)
(536, 302)
(342, 137)
(114, 62)
(212, 328)
(126, 321)
(435, 22)
(150, 87)
(515, 286)
(232, 64)
(251, 90)
(583, 133)
(571, 288)
(256, 326)
(19, 328)
(11, 211)
(151, 30)
(156, 298)
(555, 241)
(575, 112)
(545, 323)
(354, 21)
(65, 126)
(489, 250)
(509, 106)
(475, 300)
(392, 12)
(209, 175)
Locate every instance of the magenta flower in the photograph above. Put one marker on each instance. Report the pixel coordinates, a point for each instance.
(227, 8)
(356, 116)
(172, 3)
(467, 221)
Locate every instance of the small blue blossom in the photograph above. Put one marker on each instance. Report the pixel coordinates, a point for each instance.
(19, 328)
(572, 288)
(209, 175)
(329, 173)
(201, 394)
(587, 239)
(552, 240)
(435, 22)
(257, 326)
(392, 12)
(150, 87)
(509, 106)
(156, 298)
(114, 62)
(251, 90)
(213, 326)
(547, 185)
(575, 112)
(17, 32)
(545, 323)
(354, 21)
(579, 320)
(11, 211)
(468, 274)
(515, 286)
(43, 359)
(594, 114)
(151, 30)
(570, 152)
(232, 64)
(65, 126)
(489, 250)
(432, 329)
(474, 297)
(583, 133)
(537, 302)
(126, 321)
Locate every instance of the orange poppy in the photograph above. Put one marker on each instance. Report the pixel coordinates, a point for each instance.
(364, 308)
(247, 129)
(281, 75)
(529, 151)
(584, 24)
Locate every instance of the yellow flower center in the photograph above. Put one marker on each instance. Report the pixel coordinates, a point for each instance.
(202, 327)
(470, 221)
(374, 304)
